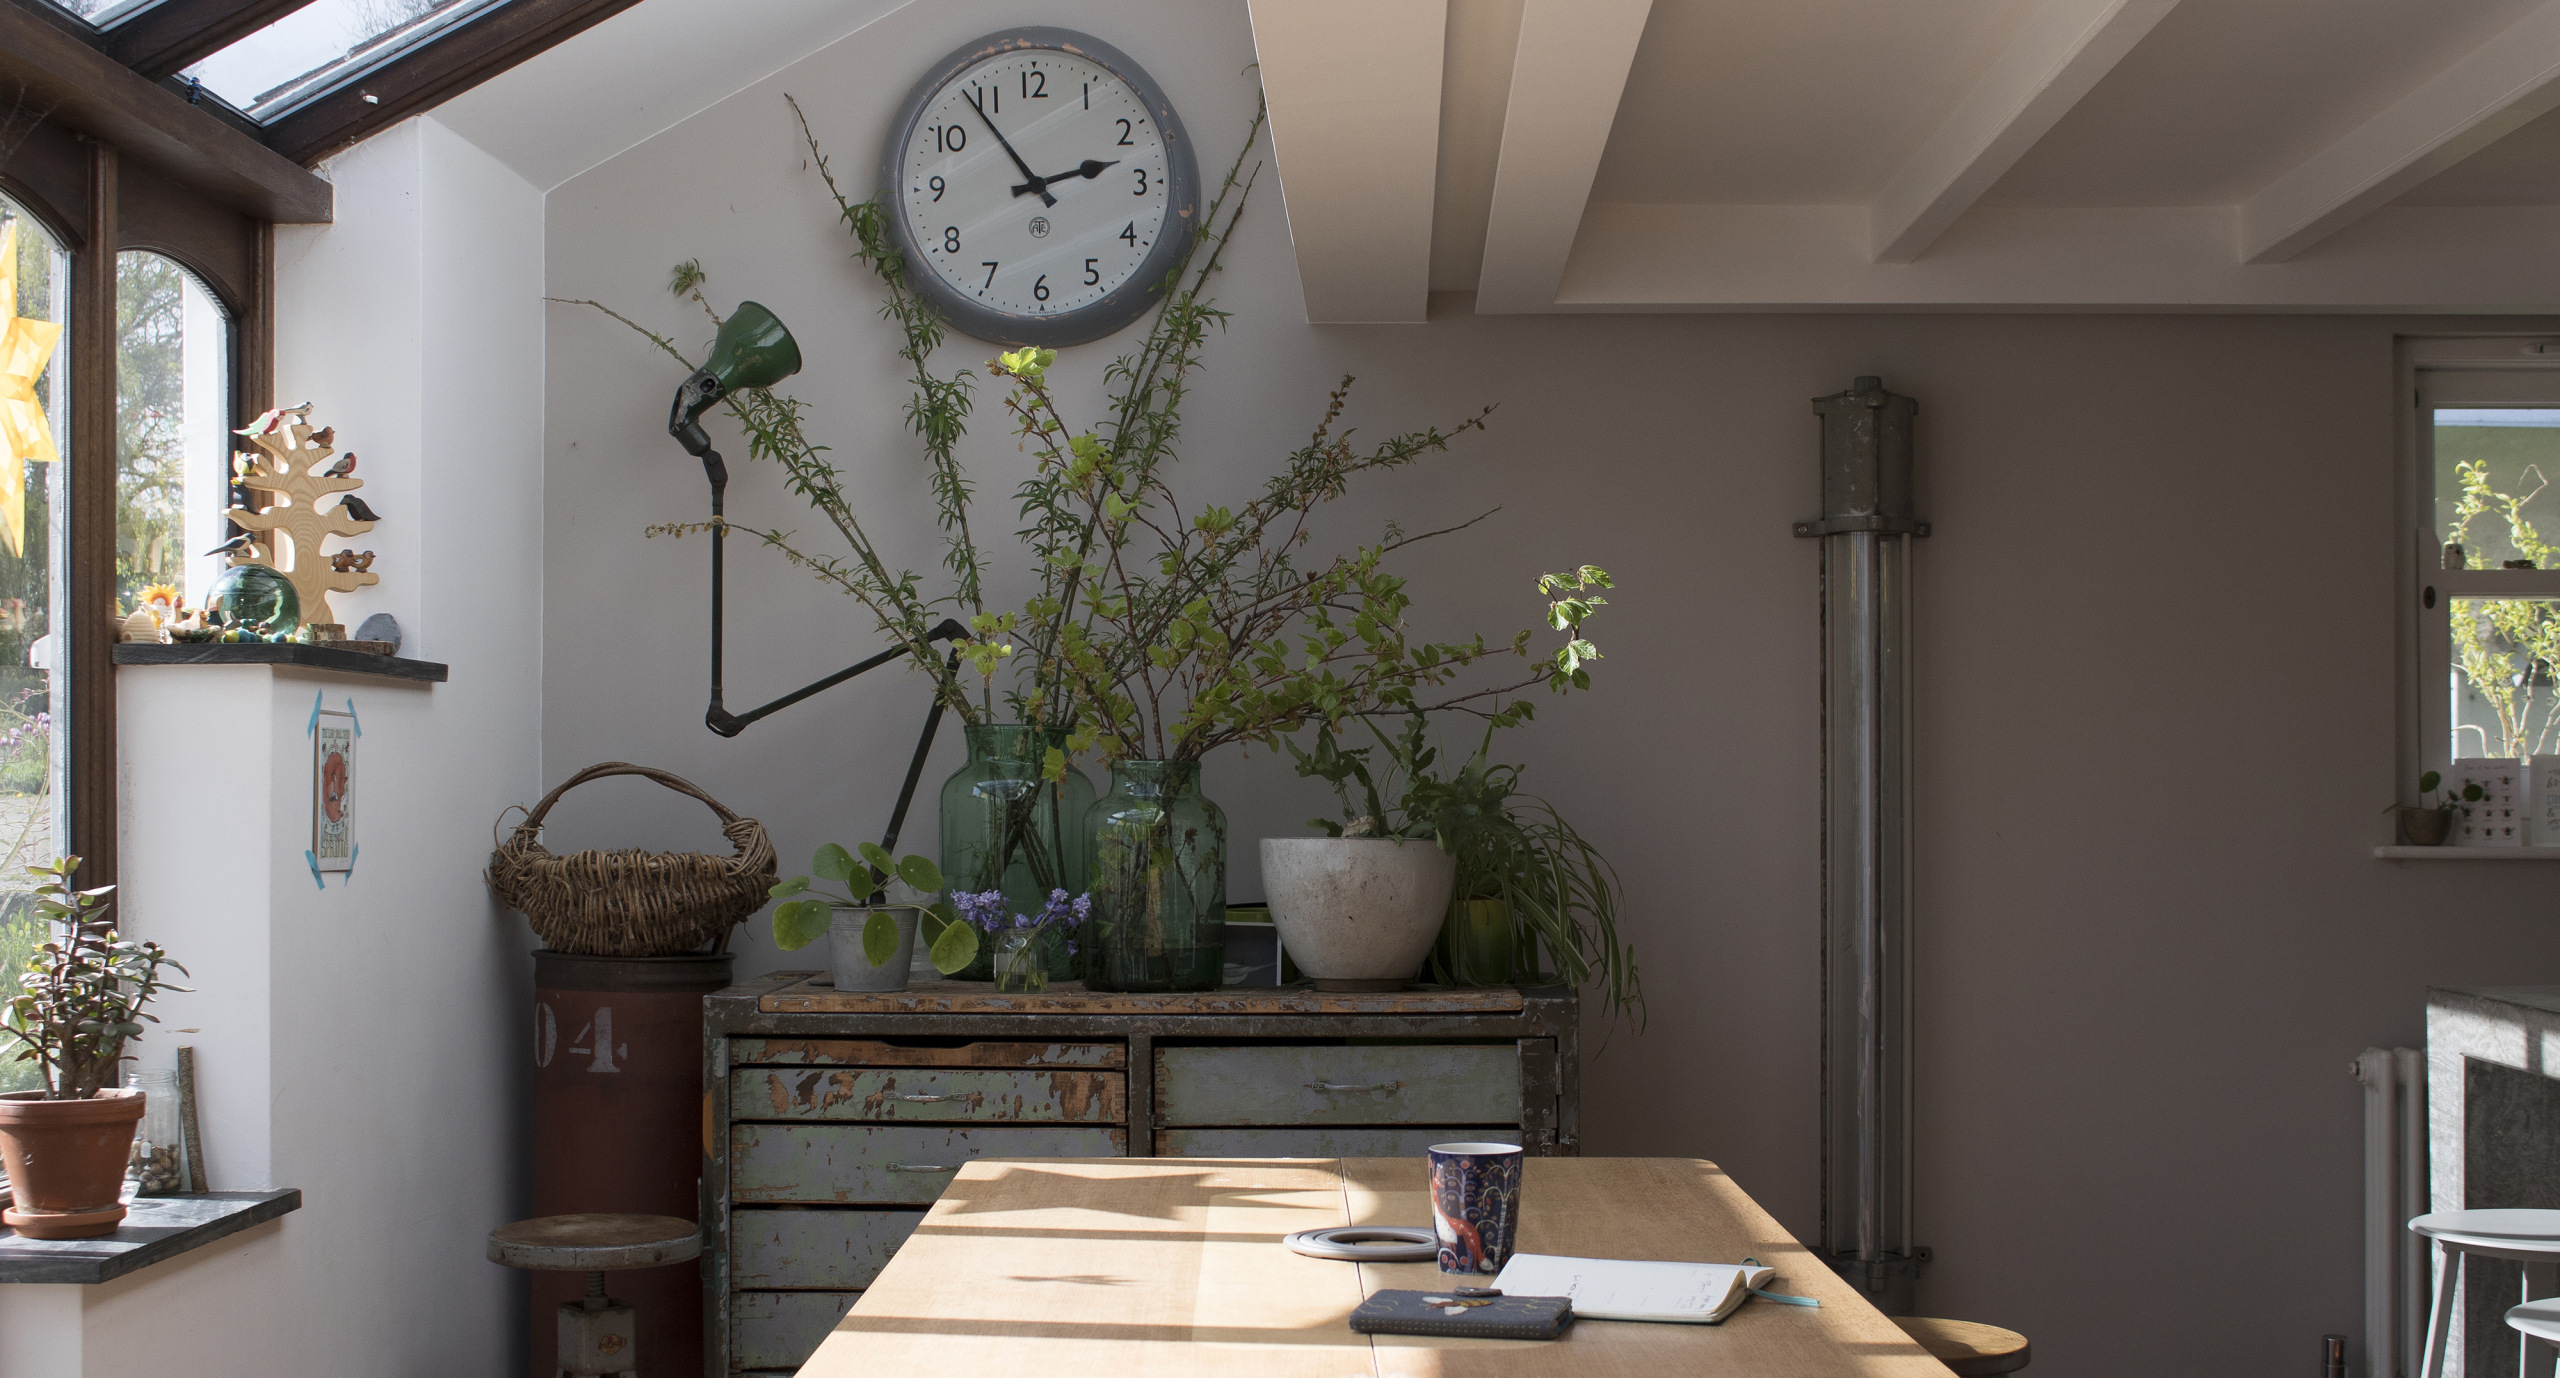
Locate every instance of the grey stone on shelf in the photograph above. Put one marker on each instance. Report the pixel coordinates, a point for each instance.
(382, 626)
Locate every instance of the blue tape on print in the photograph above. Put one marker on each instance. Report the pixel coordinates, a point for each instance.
(316, 877)
(312, 727)
(351, 717)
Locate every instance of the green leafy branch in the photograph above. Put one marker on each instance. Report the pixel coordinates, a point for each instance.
(82, 993)
(798, 921)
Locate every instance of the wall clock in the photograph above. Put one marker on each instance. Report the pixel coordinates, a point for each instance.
(1041, 188)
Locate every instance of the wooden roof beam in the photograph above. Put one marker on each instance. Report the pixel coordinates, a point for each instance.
(2059, 53)
(89, 91)
(169, 37)
(1569, 71)
(2480, 98)
(1354, 87)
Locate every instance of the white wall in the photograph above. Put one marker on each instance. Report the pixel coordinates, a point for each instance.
(361, 1041)
(2156, 681)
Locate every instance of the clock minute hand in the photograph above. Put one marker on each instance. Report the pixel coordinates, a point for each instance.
(1090, 169)
(1035, 184)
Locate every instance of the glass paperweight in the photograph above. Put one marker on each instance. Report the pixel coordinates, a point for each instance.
(256, 596)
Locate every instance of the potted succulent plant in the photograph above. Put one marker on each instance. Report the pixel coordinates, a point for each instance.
(78, 1002)
(874, 936)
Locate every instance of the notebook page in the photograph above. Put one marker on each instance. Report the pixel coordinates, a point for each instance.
(1623, 1289)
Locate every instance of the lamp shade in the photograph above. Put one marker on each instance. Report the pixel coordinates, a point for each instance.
(753, 350)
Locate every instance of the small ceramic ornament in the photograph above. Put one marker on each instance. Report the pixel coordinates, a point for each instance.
(141, 625)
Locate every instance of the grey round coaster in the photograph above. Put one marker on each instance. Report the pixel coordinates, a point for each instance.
(1368, 1243)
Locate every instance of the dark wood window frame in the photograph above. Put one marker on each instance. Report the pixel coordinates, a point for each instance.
(97, 205)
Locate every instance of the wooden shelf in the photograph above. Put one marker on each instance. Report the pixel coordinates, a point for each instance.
(299, 653)
(811, 993)
(2452, 853)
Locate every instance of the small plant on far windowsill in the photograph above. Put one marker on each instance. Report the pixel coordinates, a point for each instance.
(2431, 820)
(798, 922)
(77, 1003)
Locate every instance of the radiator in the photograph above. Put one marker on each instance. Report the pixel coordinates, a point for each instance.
(2396, 1275)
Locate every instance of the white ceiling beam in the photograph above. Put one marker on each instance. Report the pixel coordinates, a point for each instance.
(1566, 77)
(1354, 87)
(2059, 53)
(2483, 96)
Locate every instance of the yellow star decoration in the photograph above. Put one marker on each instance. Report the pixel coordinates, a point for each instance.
(26, 346)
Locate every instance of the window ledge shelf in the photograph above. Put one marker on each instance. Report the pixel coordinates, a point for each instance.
(2452, 853)
(157, 1229)
(279, 653)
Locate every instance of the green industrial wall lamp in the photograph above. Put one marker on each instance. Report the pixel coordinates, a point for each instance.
(755, 350)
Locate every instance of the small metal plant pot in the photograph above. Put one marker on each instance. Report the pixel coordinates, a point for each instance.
(2426, 827)
(853, 967)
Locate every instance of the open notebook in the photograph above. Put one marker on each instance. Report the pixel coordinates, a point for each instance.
(1615, 1289)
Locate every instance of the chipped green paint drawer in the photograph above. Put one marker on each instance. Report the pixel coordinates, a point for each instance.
(804, 1250)
(981, 1094)
(779, 1330)
(866, 1052)
(1301, 1084)
(862, 1164)
(1348, 1141)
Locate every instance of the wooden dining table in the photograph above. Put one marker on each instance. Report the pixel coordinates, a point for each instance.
(1137, 1267)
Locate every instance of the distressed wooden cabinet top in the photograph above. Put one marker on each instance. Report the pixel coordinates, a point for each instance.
(1112, 1268)
(808, 992)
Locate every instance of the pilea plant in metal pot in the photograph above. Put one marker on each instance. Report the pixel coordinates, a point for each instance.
(2427, 824)
(873, 938)
(78, 1002)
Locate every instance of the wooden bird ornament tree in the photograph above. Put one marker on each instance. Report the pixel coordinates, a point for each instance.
(286, 466)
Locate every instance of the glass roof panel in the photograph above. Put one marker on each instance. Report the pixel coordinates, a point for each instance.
(87, 9)
(320, 47)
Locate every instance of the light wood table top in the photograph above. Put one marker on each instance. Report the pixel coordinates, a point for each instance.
(1140, 1267)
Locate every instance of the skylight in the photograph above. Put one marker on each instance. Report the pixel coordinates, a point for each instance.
(319, 47)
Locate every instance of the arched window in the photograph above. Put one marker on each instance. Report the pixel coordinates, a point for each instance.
(34, 759)
(173, 422)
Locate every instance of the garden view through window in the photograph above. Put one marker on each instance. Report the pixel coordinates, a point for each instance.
(173, 390)
(2494, 499)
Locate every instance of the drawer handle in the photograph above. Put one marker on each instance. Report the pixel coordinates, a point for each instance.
(1339, 1086)
(921, 1167)
(925, 1100)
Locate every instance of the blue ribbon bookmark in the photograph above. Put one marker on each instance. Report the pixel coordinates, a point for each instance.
(1778, 1296)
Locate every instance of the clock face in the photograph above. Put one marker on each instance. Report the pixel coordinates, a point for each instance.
(1042, 189)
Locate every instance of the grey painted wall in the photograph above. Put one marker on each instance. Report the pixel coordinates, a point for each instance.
(2156, 681)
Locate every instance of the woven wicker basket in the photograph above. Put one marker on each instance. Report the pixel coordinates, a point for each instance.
(632, 903)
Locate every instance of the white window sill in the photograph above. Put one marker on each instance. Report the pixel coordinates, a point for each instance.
(2453, 853)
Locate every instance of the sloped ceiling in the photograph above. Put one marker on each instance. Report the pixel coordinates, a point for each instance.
(640, 72)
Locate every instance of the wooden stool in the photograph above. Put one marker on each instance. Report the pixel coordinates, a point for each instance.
(1970, 1349)
(597, 1335)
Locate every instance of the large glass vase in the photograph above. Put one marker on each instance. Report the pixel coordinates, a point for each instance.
(1159, 881)
(1004, 828)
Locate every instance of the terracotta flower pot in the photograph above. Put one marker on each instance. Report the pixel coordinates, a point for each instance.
(66, 1161)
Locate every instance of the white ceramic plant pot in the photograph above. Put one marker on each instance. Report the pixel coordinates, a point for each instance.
(1357, 913)
(853, 969)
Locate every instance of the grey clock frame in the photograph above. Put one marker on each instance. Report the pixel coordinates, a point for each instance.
(1094, 320)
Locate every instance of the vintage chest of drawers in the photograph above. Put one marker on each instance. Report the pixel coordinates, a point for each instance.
(833, 1119)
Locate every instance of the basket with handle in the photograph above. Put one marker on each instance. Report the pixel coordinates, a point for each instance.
(628, 902)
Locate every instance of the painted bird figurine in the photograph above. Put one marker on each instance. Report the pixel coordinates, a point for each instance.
(342, 468)
(325, 437)
(241, 542)
(357, 508)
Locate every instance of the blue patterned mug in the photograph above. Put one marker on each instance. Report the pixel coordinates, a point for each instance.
(1475, 1204)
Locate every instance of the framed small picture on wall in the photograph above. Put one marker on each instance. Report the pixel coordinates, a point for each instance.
(333, 792)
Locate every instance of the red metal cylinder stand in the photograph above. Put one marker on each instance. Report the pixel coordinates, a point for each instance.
(617, 1128)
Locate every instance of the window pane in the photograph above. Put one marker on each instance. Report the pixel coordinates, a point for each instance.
(33, 758)
(173, 410)
(2506, 660)
(318, 47)
(2493, 495)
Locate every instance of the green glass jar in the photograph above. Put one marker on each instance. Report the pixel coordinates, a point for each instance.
(1159, 881)
(1004, 828)
(256, 597)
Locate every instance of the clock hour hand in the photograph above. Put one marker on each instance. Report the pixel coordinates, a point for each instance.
(1035, 184)
(1091, 168)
